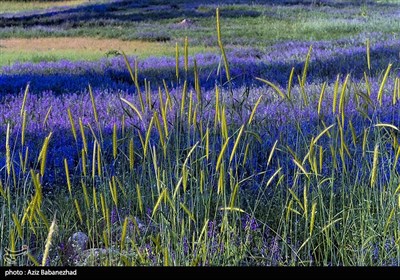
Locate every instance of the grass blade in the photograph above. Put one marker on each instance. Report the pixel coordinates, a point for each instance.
(275, 87)
(382, 86)
(226, 64)
(133, 108)
(236, 143)
(374, 166)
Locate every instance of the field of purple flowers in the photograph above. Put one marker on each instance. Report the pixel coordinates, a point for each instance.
(285, 154)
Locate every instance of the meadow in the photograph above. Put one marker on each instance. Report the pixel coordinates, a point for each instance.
(261, 134)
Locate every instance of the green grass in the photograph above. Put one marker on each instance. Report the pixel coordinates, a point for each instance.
(29, 51)
(22, 6)
(251, 25)
(182, 199)
(190, 191)
(266, 25)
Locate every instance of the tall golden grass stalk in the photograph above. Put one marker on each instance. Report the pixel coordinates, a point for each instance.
(342, 96)
(326, 130)
(133, 108)
(183, 99)
(275, 87)
(395, 90)
(158, 203)
(23, 128)
(83, 136)
(221, 179)
(364, 142)
(24, 99)
(99, 166)
(187, 211)
(387, 224)
(221, 154)
(124, 232)
(71, 120)
(226, 64)
(382, 86)
(43, 154)
(96, 118)
(8, 150)
(168, 104)
(272, 153)
(367, 84)
(123, 126)
(78, 210)
(113, 190)
(103, 206)
(305, 202)
(289, 87)
(254, 110)
(67, 176)
(217, 116)
(105, 239)
(353, 133)
(246, 153)
(374, 165)
(47, 115)
(25, 162)
(301, 167)
(305, 69)
(134, 79)
(398, 87)
(94, 160)
(131, 155)
(396, 158)
(114, 140)
(161, 100)
(368, 55)
(197, 82)
(160, 132)
(321, 96)
(236, 143)
(17, 225)
(398, 200)
(186, 54)
(335, 93)
(43, 218)
(139, 198)
(296, 198)
(177, 61)
(47, 246)
(147, 140)
(189, 110)
(83, 156)
(2, 192)
(94, 195)
(85, 194)
(148, 92)
(273, 176)
(234, 195)
(313, 212)
(207, 136)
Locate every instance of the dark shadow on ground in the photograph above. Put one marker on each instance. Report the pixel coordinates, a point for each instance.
(128, 11)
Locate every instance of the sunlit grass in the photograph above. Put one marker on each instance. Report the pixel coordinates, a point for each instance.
(80, 48)
(19, 6)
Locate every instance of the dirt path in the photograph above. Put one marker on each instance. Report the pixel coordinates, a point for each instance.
(78, 44)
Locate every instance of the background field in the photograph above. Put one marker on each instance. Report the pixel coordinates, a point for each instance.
(257, 25)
